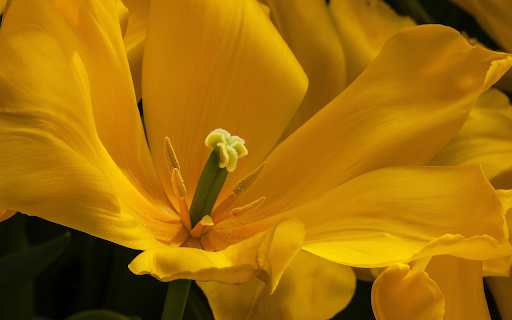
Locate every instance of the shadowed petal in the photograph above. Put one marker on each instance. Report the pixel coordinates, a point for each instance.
(501, 288)
(462, 286)
(363, 28)
(6, 214)
(485, 138)
(310, 288)
(307, 28)
(135, 38)
(494, 17)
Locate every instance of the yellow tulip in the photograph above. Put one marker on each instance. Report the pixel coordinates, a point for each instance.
(348, 186)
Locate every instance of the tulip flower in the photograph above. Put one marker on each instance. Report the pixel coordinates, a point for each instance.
(349, 186)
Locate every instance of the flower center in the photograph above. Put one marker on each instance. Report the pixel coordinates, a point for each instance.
(201, 217)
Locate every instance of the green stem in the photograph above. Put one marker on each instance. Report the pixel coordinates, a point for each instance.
(175, 300)
(208, 188)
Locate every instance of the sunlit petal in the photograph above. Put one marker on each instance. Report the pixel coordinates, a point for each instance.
(91, 31)
(265, 256)
(311, 288)
(231, 70)
(404, 108)
(58, 168)
(396, 214)
(402, 293)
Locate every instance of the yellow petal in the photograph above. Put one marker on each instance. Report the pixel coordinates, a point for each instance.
(364, 27)
(501, 267)
(311, 288)
(135, 38)
(494, 17)
(501, 289)
(6, 214)
(485, 138)
(394, 215)
(265, 256)
(91, 30)
(308, 29)
(58, 168)
(462, 286)
(2, 5)
(405, 107)
(209, 65)
(402, 293)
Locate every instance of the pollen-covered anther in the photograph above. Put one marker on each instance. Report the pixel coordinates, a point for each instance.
(198, 229)
(180, 192)
(230, 148)
(246, 182)
(170, 156)
(251, 207)
(177, 184)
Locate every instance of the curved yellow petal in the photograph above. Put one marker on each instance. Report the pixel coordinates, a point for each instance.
(6, 214)
(402, 293)
(363, 28)
(485, 138)
(209, 65)
(265, 256)
(462, 286)
(494, 17)
(308, 30)
(501, 267)
(91, 30)
(2, 5)
(135, 38)
(501, 288)
(58, 169)
(310, 288)
(395, 215)
(405, 107)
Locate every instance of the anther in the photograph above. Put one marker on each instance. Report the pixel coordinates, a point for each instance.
(198, 229)
(170, 156)
(180, 191)
(246, 182)
(251, 207)
(177, 184)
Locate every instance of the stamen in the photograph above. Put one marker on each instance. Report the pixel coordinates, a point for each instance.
(170, 156)
(246, 182)
(251, 207)
(177, 184)
(184, 214)
(198, 229)
(223, 205)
